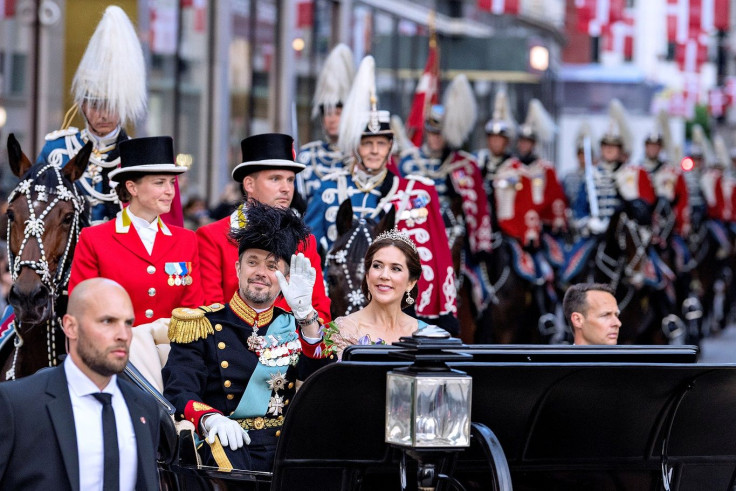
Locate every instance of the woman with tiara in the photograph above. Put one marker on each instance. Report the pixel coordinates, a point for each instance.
(392, 270)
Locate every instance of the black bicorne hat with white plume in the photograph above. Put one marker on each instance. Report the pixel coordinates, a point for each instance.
(276, 230)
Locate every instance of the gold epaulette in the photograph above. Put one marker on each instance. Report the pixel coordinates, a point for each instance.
(189, 325)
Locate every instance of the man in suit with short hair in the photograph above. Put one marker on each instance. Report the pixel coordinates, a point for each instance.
(78, 426)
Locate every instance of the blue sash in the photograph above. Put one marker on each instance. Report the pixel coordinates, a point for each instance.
(257, 394)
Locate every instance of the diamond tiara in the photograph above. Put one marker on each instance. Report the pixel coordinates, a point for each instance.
(396, 235)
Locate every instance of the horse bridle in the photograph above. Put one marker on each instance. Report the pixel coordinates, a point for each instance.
(34, 228)
(355, 295)
(614, 268)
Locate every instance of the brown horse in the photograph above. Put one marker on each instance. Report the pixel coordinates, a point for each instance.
(42, 223)
(344, 268)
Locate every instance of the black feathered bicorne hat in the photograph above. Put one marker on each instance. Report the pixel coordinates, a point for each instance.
(267, 151)
(276, 230)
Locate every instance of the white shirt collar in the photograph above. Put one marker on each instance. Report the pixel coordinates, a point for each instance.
(81, 385)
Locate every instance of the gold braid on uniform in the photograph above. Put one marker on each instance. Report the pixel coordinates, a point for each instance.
(189, 325)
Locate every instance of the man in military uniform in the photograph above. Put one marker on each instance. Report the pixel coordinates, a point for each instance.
(457, 178)
(323, 156)
(232, 369)
(267, 175)
(109, 89)
(373, 190)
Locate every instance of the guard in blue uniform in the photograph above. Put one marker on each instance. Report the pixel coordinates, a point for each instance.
(109, 90)
(233, 368)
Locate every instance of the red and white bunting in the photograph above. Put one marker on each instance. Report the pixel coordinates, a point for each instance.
(7, 9)
(595, 16)
(717, 102)
(164, 27)
(500, 7)
(619, 36)
(691, 55)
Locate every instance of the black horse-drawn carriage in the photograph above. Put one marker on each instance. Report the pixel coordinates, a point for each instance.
(633, 418)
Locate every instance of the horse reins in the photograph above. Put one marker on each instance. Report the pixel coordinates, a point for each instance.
(34, 228)
(355, 297)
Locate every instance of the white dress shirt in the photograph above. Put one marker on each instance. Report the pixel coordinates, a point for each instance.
(146, 231)
(88, 425)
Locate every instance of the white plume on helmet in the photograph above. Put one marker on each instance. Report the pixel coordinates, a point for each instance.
(333, 83)
(584, 130)
(721, 152)
(360, 109)
(618, 131)
(701, 145)
(112, 71)
(502, 121)
(538, 124)
(461, 111)
(402, 140)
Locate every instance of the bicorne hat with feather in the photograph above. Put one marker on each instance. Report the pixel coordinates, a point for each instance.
(276, 230)
(333, 83)
(112, 73)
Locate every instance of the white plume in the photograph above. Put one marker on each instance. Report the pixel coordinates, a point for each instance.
(584, 130)
(663, 122)
(540, 121)
(112, 69)
(401, 139)
(620, 120)
(356, 109)
(721, 152)
(461, 111)
(502, 114)
(699, 139)
(333, 84)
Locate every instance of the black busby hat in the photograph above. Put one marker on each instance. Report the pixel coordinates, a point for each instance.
(276, 230)
(264, 152)
(151, 155)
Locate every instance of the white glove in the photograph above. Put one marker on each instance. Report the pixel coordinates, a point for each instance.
(298, 290)
(597, 226)
(228, 430)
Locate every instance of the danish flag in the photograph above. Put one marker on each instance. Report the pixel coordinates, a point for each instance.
(500, 7)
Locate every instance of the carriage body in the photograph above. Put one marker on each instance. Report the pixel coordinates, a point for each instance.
(566, 418)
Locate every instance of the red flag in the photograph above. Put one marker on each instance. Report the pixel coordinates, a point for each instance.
(595, 16)
(721, 15)
(426, 94)
(500, 6)
(7, 8)
(304, 14)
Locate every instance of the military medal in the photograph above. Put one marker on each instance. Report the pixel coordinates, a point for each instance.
(254, 340)
(177, 275)
(169, 268)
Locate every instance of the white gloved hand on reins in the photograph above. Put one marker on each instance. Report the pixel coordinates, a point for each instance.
(227, 430)
(298, 290)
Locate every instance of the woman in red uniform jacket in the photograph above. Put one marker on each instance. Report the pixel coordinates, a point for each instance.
(157, 264)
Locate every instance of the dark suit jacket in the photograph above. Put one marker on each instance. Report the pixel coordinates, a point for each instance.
(38, 445)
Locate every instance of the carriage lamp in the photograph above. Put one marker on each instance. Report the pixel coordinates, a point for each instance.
(428, 403)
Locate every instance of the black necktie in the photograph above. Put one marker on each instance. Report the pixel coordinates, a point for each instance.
(111, 472)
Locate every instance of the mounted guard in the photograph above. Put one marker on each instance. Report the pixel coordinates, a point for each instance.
(321, 157)
(366, 136)
(109, 90)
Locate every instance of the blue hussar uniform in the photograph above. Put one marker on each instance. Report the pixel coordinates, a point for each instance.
(320, 158)
(62, 145)
(231, 360)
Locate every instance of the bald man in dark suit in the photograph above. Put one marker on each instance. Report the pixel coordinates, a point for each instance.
(53, 421)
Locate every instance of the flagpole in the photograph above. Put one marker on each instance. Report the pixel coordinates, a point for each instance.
(431, 24)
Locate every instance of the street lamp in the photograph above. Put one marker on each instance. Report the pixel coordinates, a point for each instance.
(428, 403)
